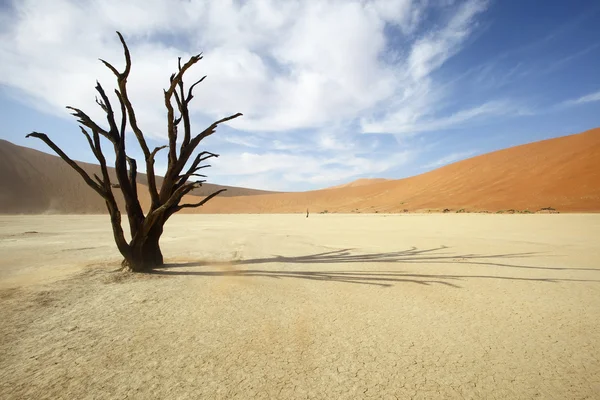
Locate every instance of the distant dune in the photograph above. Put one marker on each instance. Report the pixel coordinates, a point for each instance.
(561, 173)
(35, 182)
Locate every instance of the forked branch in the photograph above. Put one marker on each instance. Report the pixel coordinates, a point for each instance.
(43, 137)
(200, 203)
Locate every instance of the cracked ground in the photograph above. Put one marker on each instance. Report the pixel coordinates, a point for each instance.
(469, 306)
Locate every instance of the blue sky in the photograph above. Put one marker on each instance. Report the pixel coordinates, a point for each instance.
(331, 91)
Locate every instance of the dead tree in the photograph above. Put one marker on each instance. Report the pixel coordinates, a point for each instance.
(143, 252)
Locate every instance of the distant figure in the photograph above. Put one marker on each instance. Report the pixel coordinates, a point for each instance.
(307, 213)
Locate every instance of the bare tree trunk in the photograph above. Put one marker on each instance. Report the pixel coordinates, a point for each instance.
(145, 252)
(151, 248)
(144, 256)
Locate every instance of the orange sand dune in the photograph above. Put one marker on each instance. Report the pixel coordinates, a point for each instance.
(562, 173)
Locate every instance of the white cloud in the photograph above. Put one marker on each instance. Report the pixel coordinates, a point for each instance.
(279, 171)
(285, 65)
(325, 68)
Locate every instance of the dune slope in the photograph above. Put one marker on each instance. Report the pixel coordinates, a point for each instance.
(561, 173)
(360, 182)
(35, 182)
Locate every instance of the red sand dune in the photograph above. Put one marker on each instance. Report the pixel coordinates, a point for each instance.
(562, 173)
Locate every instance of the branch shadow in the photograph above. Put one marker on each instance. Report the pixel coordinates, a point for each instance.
(437, 255)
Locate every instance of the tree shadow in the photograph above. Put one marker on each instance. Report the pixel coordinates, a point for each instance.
(436, 255)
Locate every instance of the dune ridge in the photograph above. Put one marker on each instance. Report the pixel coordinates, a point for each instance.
(360, 182)
(561, 173)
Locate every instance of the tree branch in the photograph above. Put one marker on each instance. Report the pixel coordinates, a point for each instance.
(127, 55)
(133, 175)
(85, 120)
(189, 149)
(164, 210)
(156, 150)
(109, 66)
(175, 198)
(211, 129)
(151, 177)
(99, 180)
(99, 154)
(122, 81)
(97, 150)
(89, 139)
(194, 167)
(110, 115)
(177, 77)
(184, 105)
(190, 95)
(43, 137)
(123, 117)
(129, 190)
(107, 195)
(201, 203)
(176, 80)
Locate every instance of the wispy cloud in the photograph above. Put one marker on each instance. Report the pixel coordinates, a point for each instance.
(286, 171)
(418, 101)
(458, 119)
(588, 98)
(241, 140)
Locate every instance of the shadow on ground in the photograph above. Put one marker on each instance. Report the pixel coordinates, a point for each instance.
(438, 255)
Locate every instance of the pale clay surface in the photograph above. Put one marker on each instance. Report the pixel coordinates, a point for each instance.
(279, 306)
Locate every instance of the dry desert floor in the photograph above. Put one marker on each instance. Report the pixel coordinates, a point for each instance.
(445, 306)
